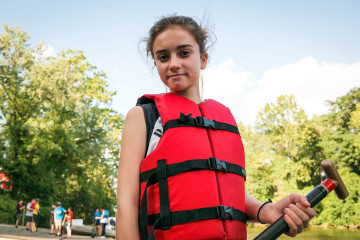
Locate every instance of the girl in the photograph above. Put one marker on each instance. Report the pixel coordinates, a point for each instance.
(182, 158)
(69, 217)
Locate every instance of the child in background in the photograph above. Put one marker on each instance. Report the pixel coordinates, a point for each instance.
(19, 210)
(36, 211)
(97, 217)
(59, 215)
(104, 221)
(52, 220)
(69, 217)
(29, 214)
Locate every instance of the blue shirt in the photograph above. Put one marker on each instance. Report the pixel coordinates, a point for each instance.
(59, 212)
(105, 213)
(97, 214)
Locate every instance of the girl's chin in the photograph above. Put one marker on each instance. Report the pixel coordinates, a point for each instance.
(176, 88)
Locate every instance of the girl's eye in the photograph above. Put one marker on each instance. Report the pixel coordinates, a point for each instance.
(185, 53)
(163, 58)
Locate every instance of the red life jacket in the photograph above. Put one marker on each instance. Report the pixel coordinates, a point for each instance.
(192, 184)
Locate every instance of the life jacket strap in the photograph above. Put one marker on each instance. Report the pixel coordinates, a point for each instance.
(193, 165)
(188, 121)
(220, 212)
(164, 195)
(165, 219)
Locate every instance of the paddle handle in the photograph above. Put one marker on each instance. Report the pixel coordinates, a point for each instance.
(280, 226)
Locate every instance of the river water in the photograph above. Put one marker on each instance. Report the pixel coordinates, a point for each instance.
(314, 234)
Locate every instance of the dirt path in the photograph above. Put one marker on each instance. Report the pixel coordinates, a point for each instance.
(8, 232)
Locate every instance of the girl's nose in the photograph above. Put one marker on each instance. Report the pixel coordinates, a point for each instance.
(175, 63)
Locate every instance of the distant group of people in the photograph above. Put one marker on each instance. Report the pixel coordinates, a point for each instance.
(100, 221)
(32, 213)
(59, 218)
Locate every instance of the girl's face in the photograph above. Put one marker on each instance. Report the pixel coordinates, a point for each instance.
(178, 60)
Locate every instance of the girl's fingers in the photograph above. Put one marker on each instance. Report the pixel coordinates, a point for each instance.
(293, 228)
(309, 211)
(296, 219)
(300, 211)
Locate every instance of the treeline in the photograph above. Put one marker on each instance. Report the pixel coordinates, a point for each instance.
(59, 137)
(285, 148)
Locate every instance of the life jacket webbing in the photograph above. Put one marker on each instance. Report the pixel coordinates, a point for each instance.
(188, 121)
(196, 164)
(166, 219)
(164, 195)
(219, 212)
(181, 217)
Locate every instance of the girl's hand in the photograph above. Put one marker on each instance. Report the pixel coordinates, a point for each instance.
(296, 209)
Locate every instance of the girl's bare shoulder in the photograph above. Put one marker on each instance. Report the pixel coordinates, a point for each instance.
(135, 114)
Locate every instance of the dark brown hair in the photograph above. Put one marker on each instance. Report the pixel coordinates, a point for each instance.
(200, 33)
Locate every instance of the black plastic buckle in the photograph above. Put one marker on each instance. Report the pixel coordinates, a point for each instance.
(225, 212)
(204, 122)
(184, 118)
(216, 164)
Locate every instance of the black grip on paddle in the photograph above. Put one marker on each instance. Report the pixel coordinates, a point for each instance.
(280, 226)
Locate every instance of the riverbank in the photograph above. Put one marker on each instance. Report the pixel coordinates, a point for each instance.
(8, 232)
(311, 233)
(352, 227)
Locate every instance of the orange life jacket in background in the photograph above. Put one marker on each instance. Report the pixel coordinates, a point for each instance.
(192, 184)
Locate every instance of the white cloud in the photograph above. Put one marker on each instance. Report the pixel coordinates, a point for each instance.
(224, 84)
(48, 51)
(310, 81)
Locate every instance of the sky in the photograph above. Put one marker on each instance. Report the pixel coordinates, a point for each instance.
(263, 49)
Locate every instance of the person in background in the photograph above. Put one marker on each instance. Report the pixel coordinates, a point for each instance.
(36, 211)
(19, 210)
(52, 220)
(104, 221)
(29, 215)
(68, 218)
(97, 217)
(58, 214)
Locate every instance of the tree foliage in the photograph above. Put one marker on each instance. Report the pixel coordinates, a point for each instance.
(285, 148)
(59, 136)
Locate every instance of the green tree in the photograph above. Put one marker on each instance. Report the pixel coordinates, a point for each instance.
(293, 140)
(61, 137)
(355, 119)
(259, 182)
(294, 146)
(340, 140)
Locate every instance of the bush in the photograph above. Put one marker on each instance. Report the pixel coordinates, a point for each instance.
(7, 208)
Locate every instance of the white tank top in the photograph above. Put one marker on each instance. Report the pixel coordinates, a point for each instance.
(155, 136)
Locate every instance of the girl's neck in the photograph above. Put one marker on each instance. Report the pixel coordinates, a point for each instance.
(191, 95)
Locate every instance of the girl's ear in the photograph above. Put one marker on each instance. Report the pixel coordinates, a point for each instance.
(204, 59)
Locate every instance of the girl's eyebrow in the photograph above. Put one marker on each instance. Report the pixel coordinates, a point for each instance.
(177, 48)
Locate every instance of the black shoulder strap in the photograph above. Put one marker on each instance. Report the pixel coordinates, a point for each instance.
(188, 121)
(151, 116)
